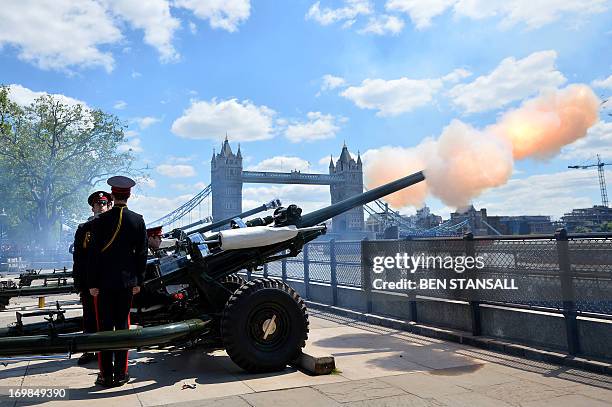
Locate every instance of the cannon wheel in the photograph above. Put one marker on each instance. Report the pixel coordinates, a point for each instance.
(264, 325)
(233, 282)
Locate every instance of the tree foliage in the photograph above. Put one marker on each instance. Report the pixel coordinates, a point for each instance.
(51, 155)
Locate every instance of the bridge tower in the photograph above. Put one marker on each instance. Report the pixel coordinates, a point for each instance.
(352, 173)
(226, 182)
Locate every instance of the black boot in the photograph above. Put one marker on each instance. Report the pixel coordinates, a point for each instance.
(121, 379)
(86, 358)
(104, 381)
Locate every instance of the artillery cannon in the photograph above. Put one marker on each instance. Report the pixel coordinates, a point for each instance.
(193, 293)
(57, 275)
(56, 282)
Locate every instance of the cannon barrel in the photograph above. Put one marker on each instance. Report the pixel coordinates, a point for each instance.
(107, 340)
(37, 290)
(74, 324)
(323, 214)
(25, 279)
(270, 205)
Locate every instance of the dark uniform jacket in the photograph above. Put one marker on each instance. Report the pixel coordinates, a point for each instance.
(118, 255)
(82, 239)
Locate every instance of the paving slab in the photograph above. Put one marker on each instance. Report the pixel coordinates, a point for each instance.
(234, 401)
(572, 400)
(470, 399)
(470, 377)
(423, 385)
(373, 365)
(300, 397)
(593, 392)
(357, 390)
(518, 392)
(406, 400)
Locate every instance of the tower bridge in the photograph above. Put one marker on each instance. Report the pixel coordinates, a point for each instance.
(345, 179)
(293, 177)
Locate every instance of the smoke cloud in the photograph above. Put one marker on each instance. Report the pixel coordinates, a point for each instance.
(542, 126)
(464, 161)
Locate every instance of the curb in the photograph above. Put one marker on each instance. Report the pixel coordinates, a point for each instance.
(451, 335)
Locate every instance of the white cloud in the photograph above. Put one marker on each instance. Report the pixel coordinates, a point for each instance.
(132, 144)
(456, 75)
(393, 97)
(193, 28)
(176, 171)
(153, 17)
(64, 34)
(144, 122)
(382, 25)
(224, 14)
(332, 82)
(145, 182)
(597, 141)
(281, 163)
(173, 159)
(59, 34)
(242, 121)
(603, 83)
(24, 96)
(511, 80)
(120, 104)
(420, 12)
(327, 16)
(532, 13)
(543, 194)
(318, 127)
(135, 74)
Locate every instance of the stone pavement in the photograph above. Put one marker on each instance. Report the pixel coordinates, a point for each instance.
(376, 367)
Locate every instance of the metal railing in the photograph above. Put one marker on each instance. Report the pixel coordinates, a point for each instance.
(15, 262)
(564, 274)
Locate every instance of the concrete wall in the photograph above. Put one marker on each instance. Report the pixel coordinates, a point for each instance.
(391, 305)
(595, 337)
(449, 314)
(524, 326)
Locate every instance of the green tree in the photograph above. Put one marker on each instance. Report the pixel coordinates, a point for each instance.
(582, 229)
(51, 154)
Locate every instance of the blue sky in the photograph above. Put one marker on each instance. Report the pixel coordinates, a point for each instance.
(291, 81)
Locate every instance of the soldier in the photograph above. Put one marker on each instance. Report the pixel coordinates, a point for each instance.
(100, 202)
(117, 261)
(154, 239)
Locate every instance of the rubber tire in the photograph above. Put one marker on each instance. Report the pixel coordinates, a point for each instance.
(233, 282)
(235, 325)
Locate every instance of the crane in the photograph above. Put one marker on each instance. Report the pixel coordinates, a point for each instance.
(602, 179)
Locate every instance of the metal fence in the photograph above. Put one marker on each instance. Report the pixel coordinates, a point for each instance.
(552, 269)
(564, 274)
(14, 262)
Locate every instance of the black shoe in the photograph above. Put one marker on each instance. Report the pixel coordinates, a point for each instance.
(86, 358)
(104, 381)
(122, 379)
